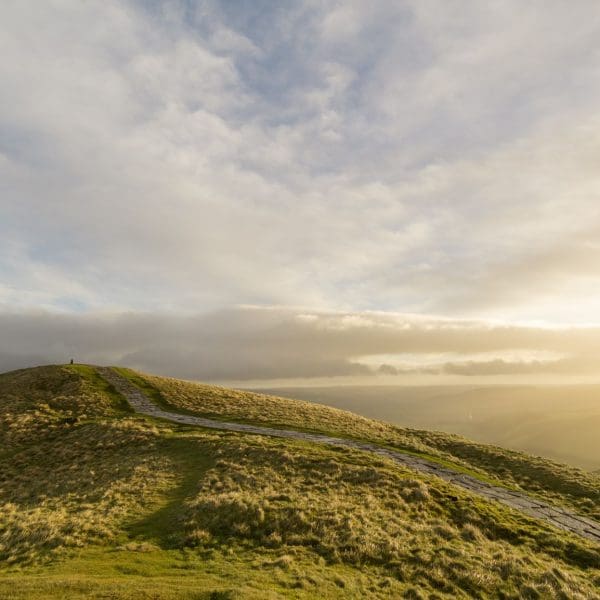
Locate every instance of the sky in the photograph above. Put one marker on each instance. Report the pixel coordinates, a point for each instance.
(302, 191)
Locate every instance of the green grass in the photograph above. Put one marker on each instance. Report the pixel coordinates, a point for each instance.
(103, 503)
(167, 575)
(364, 430)
(89, 374)
(547, 479)
(550, 481)
(161, 524)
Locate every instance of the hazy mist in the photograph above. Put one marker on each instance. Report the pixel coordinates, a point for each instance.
(559, 422)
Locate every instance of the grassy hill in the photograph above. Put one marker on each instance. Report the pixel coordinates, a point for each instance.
(98, 502)
(548, 479)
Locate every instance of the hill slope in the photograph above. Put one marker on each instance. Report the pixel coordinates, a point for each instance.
(99, 502)
(556, 421)
(559, 517)
(549, 479)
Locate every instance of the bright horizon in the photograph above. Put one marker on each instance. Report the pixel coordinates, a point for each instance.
(302, 193)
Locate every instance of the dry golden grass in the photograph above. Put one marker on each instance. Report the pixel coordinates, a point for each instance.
(242, 406)
(75, 488)
(554, 481)
(72, 463)
(94, 500)
(548, 479)
(349, 509)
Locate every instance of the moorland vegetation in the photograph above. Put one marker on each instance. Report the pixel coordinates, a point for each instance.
(99, 502)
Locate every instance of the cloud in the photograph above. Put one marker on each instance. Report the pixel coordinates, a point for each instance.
(504, 367)
(413, 157)
(281, 343)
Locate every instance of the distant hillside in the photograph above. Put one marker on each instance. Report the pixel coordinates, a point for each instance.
(98, 502)
(560, 422)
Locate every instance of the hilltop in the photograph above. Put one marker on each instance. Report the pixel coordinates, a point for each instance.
(97, 501)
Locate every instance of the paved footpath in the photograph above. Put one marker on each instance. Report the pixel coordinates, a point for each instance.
(559, 517)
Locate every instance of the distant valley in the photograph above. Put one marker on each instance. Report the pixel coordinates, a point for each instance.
(557, 422)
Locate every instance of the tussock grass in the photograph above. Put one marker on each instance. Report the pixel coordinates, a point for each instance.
(233, 405)
(544, 477)
(552, 481)
(98, 503)
(75, 488)
(350, 509)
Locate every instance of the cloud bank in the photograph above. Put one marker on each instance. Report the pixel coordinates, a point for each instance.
(250, 343)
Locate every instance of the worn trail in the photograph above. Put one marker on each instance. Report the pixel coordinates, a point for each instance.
(559, 517)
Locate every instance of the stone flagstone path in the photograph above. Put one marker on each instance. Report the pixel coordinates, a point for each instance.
(559, 517)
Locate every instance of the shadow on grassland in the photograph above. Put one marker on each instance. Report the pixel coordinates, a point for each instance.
(164, 525)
